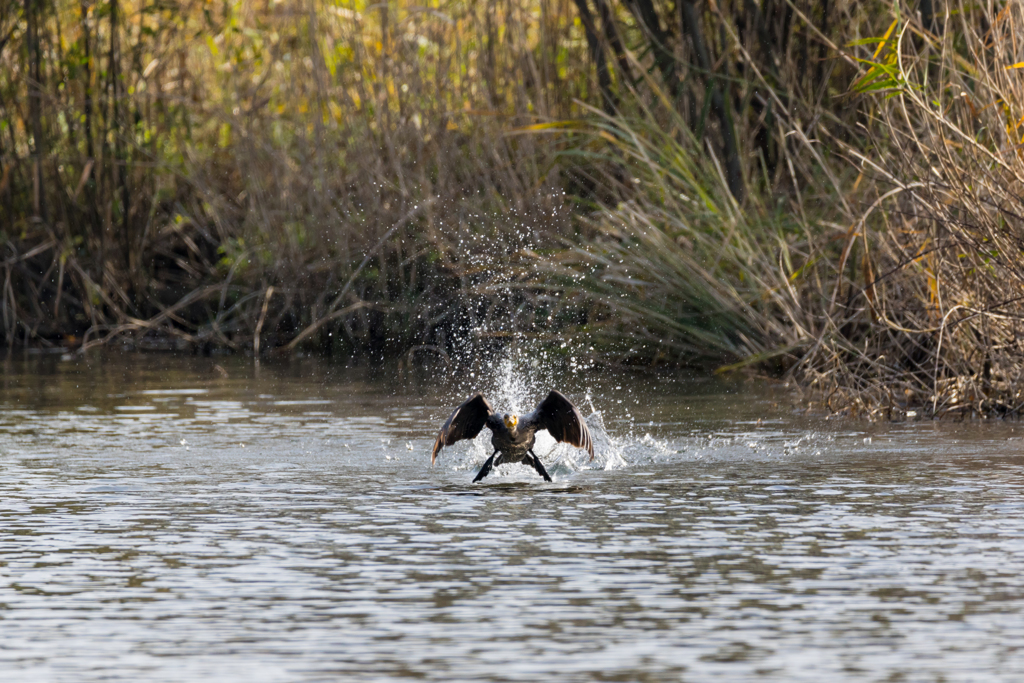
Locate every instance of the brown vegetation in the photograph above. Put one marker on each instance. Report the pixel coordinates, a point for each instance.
(308, 170)
(819, 189)
(927, 312)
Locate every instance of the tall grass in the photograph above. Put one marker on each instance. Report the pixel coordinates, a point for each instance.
(818, 189)
(895, 289)
(926, 315)
(319, 171)
(675, 270)
(676, 266)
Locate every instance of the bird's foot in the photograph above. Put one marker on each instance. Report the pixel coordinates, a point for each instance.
(486, 469)
(537, 465)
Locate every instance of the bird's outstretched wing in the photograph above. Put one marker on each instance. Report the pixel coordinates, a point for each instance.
(560, 417)
(465, 423)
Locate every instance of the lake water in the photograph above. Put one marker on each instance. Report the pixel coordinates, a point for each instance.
(169, 519)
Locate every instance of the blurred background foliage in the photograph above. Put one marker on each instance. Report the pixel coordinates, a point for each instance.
(165, 164)
(733, 183)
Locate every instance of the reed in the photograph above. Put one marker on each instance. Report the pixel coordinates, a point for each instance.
(885, 276)
(815, 190)
(679, 262)
(675, 270)
(329, 175)
(925, 315)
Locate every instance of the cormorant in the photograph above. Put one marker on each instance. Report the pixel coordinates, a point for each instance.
(512, 436)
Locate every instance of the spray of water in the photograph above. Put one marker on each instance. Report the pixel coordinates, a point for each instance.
(514, 372)
(516, 377)
(515, 380)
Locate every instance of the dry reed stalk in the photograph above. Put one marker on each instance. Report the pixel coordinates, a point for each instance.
(276, 153)
(930, 319)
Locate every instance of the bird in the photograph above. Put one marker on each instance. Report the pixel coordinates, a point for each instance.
(513, 436)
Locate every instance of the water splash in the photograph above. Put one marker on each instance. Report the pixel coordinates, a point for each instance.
(515, 383)
(515, 380)
(516, 376)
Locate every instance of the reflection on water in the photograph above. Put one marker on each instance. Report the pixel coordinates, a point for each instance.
(164, 523)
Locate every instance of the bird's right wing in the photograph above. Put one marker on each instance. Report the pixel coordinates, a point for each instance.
(465, 423)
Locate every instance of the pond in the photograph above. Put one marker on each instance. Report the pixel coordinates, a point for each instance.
(170, 519)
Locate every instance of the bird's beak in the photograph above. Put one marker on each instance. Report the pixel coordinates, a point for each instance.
(511, 421)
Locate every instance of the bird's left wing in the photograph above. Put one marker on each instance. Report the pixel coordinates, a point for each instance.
(465, 423)
(559, 416)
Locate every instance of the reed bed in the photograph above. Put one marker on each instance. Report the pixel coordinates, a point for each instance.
(924, 317)
(324, 176)
(877, 265)
(676, 265)
(678, 272)
(825, 192)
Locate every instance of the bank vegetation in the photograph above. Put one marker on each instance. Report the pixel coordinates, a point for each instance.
(821, 190)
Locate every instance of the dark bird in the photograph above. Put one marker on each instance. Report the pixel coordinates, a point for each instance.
(513, 436)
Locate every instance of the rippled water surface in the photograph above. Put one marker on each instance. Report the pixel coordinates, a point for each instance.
(196, 519)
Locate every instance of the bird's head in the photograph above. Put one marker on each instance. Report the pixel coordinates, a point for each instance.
(511, 421)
